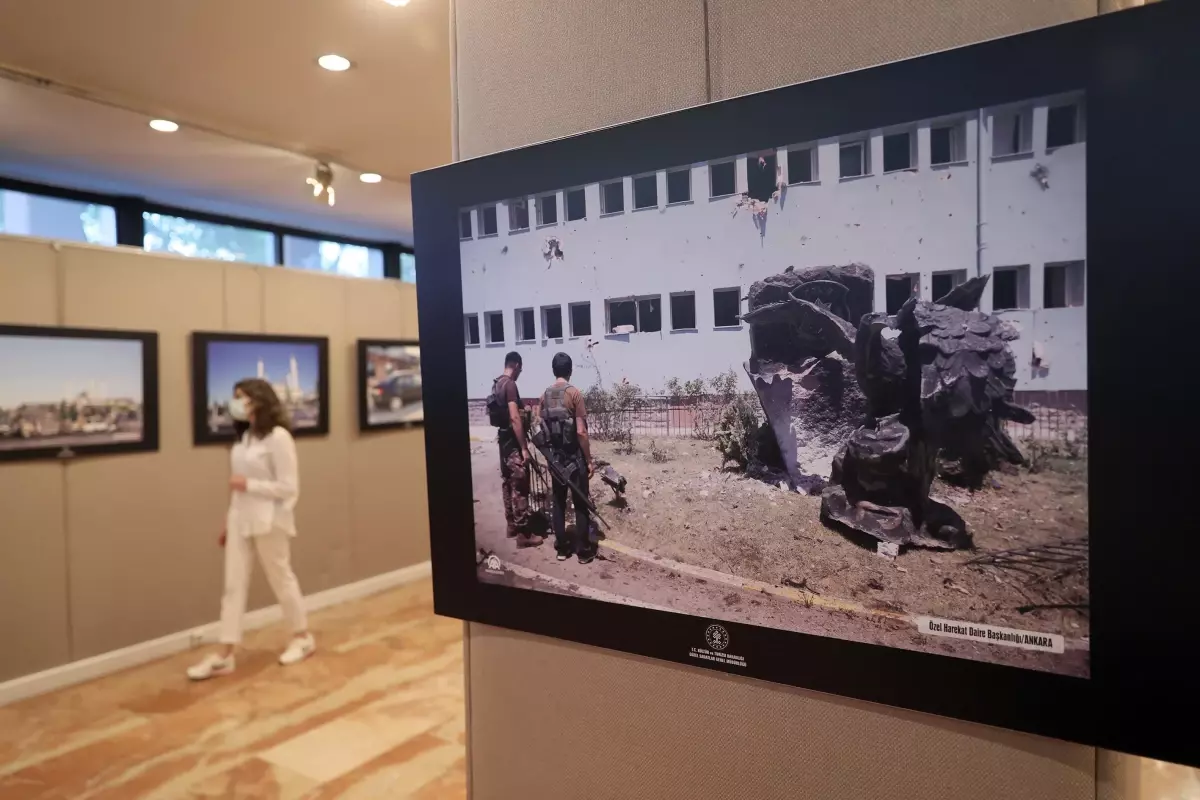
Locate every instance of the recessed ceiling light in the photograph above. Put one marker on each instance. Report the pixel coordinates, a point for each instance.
(334, 63)
(396, 3)
(164, 125)
(370, 177)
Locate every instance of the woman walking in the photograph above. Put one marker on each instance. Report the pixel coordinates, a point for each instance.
(264, 487)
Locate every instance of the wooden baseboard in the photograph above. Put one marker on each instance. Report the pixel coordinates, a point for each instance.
(107, 663)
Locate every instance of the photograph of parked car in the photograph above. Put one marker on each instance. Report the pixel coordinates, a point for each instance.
(66, 390)
(390, 380)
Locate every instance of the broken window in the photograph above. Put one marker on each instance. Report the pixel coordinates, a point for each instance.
(642, 314)
(487, 221)
(576, 204)
(944, 282)
(761, 176)
(581, 319)
(645, 191)
(495, 326)
(899, 288)
(650, 314)
(727, 308)
(612, 197)
(552, 322)
(802, 165)
(898, 152)
(1010, 288)
(721, 181)
(547, 209)
(852, 159)
(683, 311)
(948, 144)
(1063, 285)
(471, 328)
(524, 321)
(679, 186)
(518, 215)
(464, 225)
(1062, 126)
(1012, 132)
(622, 313)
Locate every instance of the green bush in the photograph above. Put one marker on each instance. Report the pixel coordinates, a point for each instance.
(737, 436)
(611, 412)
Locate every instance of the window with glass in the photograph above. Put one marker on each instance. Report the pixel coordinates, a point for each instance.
(337, 258)
(196, 239)
(24, 214)
(408, 268)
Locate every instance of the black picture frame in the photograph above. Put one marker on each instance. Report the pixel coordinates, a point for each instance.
(149, 377)
(201, 433)
(1133, 66)
(363, 347)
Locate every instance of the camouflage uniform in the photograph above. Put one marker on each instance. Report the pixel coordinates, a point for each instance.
(515, 478)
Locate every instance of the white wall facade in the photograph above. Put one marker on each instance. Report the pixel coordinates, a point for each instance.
(918, 221)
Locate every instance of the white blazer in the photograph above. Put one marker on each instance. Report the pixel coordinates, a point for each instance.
(272, 484)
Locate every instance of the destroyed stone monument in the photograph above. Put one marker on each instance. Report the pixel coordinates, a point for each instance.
(802, 363)
(936, 376)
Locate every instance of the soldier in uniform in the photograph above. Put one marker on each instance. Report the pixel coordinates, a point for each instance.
(564, 417)
(506, 413)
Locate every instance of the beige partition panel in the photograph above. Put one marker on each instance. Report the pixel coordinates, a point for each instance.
(102, 553)
(551, 719)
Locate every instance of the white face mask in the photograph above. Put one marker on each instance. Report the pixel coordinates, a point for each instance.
(237, 409)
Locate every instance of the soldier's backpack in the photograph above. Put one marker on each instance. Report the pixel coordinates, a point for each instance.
(497, 408)
(559, 421)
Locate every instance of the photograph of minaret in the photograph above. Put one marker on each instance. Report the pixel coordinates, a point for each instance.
(292, 369)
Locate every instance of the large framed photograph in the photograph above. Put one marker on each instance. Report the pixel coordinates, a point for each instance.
(825, 385)
(389, 381)
(68, 392)
(296, 366)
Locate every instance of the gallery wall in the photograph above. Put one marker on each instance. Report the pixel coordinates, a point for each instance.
(620, 726)
(103, 552)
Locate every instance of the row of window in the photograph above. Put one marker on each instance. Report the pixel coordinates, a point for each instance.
(1012, 135)
(624, 315)
(1063, 286)
(26, 214)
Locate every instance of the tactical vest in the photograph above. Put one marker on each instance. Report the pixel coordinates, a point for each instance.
(559, 421)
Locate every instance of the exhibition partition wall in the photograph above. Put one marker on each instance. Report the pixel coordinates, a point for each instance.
(653, 729)
(100, 553)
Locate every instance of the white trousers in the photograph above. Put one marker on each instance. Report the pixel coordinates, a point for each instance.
(274, 553)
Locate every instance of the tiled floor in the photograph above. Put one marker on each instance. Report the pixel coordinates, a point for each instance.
(376, 713)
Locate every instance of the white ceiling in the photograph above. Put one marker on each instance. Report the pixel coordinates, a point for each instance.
(240, 77)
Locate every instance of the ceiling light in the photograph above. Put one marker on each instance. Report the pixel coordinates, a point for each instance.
(322, 183)
(164, 125)
(370, 177)
(396, 3)
(334, 63)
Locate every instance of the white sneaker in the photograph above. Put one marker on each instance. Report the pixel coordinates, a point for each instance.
(212, 666)
(300, 648)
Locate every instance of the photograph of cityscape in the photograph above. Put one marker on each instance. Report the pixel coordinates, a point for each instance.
(391, 376)
(68, 392)
(837, 387)
(293, 367)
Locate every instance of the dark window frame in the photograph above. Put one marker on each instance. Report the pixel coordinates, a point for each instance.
(736, 291)
(131, 229)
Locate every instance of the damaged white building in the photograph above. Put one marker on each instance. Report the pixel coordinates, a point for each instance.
(643, 277)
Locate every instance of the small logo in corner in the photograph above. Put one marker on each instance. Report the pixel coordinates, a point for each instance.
(493, 563)
(717, 637)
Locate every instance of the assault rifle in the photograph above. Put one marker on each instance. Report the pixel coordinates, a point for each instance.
(560, 474)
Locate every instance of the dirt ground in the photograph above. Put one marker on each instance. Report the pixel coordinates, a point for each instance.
(687, 510)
